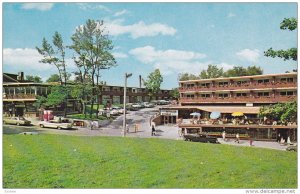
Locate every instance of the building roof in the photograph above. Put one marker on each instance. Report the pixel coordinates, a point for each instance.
(221, 109)
(241, 77)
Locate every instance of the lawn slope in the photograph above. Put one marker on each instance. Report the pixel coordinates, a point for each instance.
(58, 161)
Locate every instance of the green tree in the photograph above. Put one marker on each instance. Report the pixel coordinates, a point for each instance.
(291, 24)
(186, 76)
(175, 93)
(212, 72)
(153, 82)
(93, 48)
(53, 78)
(253, 70)
(54, 57)
(284, 112)
(34, 78)
(57, 96)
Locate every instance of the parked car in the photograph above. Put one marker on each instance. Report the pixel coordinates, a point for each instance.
(292, 148)
(163, 102)
(114, 112)
(148, 105)
(56, 124)
(136, 105)
(200, 138)
(16, 121)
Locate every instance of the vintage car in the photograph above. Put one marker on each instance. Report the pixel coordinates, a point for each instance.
(56, 124)
(16, 121)
(200, 138)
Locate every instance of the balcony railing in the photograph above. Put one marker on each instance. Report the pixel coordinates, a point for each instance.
(248, 99)
(18, 96)
(254, 85)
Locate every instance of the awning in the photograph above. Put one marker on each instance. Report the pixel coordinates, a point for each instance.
(231, 109)
(221, 109)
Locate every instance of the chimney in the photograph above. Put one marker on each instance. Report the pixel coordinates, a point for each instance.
(140, 81)
(20, 76)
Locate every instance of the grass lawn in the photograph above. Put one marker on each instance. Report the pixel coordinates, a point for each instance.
(58, 161)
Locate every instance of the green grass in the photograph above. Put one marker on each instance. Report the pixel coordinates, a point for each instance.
(81, 116)
(51, 161)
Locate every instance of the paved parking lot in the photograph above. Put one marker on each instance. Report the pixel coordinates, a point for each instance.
(142, 118)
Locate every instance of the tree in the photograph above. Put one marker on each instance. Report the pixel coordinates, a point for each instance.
(253, 70)
(175, 93)
(93, 48)
(284, 112)
(53, 78)
(212, 72)
(291, 24)
(186, 76)
(34, 78)
(153, 82)
(54, 57)
(57, 96)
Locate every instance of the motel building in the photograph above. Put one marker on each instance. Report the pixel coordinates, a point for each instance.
(244, 94)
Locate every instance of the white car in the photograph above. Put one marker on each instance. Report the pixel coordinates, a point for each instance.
(55, 124)
(148, 105)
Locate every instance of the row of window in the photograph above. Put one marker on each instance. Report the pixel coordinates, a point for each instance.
(260, 94)
(226, 83)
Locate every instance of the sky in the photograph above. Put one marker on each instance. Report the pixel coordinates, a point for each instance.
(173, 37)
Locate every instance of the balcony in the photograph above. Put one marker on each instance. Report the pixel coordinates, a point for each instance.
(19, 97)
(232, 87)
(244, 99)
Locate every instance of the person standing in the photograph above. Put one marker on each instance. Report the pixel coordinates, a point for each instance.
(237, 136)
(153, 130)
(224, 136)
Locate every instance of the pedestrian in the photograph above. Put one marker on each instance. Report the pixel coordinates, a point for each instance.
(251, 141)
(127, 128)
(224, 136)
(153, 130)
(237, 136)
(278, 139)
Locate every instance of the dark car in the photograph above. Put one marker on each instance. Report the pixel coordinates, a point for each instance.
(292, 148)
(200, 138)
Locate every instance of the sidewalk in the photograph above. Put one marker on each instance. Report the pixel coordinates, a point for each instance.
(260, 144)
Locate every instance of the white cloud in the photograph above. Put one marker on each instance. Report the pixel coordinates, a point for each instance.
(119, 55)
(174, 61)
(230, 15)
(119, 13)
(38, 6)
(139, 29)
(249, 55)
(92, 6)
(27, 60)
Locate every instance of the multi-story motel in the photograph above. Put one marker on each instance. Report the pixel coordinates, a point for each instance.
(20, 95)
(244, 94)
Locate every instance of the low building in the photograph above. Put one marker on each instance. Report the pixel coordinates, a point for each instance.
(114, 94)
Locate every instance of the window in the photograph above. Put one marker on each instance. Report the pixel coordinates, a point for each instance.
(263, 81)
(241, 94)
(289, 79)
(263, 94)
(287, 93)
(190, 96)
(205, 95)
(241, 82)
(205, 84)
(223, 83)
(224, 95)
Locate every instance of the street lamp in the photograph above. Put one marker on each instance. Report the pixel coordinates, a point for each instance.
(127, 75)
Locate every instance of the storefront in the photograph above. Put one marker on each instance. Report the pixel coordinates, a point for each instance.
(169, 116)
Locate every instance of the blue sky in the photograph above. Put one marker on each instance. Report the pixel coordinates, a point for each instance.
(174, 37)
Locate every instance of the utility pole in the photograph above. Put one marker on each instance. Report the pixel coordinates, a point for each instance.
(124, 103)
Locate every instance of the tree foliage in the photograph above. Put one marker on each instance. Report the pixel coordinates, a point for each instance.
(93, 48)
(153, 82)
(175, 93)
(291, 24)
(53, 78)
(186, 76)
(34, 78)
(57, 96)
(212, 72)
(283, 112)
(55, 56)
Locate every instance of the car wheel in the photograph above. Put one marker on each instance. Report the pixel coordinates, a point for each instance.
(4, 122)
(42, 126)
